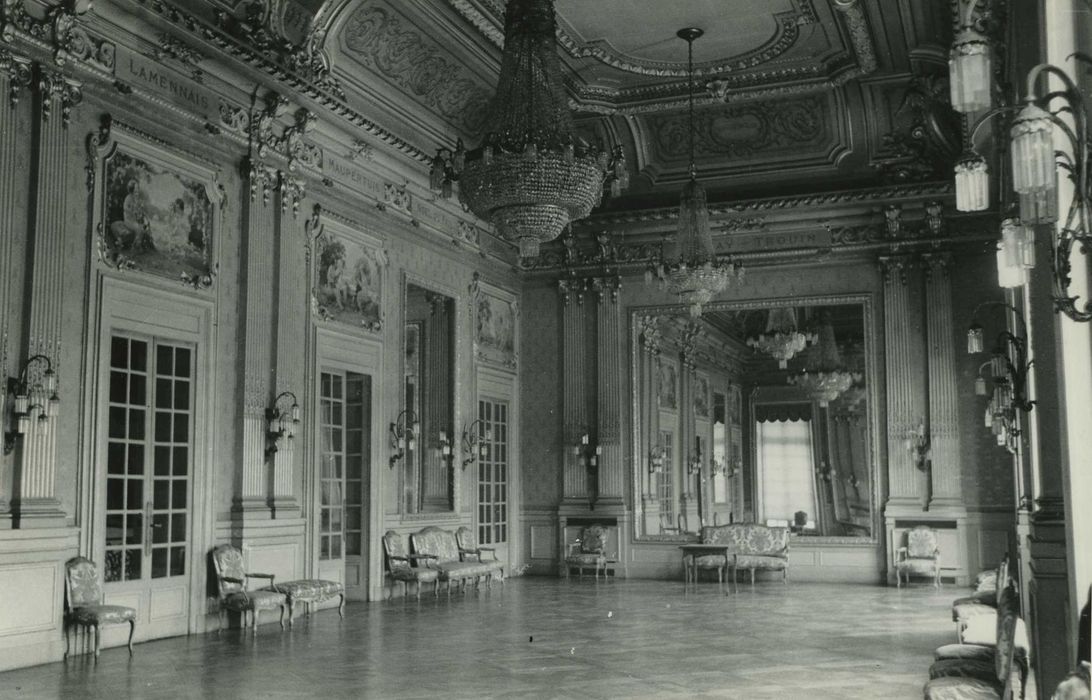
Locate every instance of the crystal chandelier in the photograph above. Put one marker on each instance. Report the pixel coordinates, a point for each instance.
(825, 378)
(530, 177)
(1044, 114)
(781, 341)
(690, 268)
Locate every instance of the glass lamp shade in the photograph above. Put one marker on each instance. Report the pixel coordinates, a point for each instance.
(970, 71)
(1039, 207)
(22, 403)
(972, 183)
(23, 423)
(980, 386)
(1033, 166)
(1009, 275)
(50, 381)
(53, 406)
(974, 339)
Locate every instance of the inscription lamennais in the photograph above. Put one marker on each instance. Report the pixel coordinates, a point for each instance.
(140, 71)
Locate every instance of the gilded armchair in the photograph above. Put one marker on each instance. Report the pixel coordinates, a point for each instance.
(920, 555)
(590, 551)
(469, 547)
(84, 606)
(231, 579)
(402, 566)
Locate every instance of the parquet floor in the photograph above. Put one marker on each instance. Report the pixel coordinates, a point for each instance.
(548, 638)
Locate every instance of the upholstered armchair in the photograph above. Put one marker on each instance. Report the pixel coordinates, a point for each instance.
(403, 566)
(468, 547)
(590, 551)
(920, 555)
(983, 600)
(231, 578)
(84, 606)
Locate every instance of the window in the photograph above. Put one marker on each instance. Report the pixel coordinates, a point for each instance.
(665, 479)
(493, 472)
(787, 467)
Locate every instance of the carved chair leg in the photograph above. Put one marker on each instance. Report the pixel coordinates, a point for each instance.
(67, 631)
(98, 639)
(254, 620)
(418, 589)
(341, 607)
(752, 577)
(292, 612)
(289, 616)
(132, 628)
(785, 576)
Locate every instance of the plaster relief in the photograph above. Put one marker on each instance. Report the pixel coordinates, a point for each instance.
(378, 39)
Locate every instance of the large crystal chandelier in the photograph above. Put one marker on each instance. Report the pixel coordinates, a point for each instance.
(782, 340)
(825, 378)
(690, 268)
(529, 177)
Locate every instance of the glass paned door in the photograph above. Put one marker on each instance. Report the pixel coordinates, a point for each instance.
(345, 447)
(148, 452)
(493, 472)
(665, 481)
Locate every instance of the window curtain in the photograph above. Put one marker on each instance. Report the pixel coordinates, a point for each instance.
(787, 464)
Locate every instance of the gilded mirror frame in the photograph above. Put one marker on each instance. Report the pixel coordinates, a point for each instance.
(459, 332)
(874, 422)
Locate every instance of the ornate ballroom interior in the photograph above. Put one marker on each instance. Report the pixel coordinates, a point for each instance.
(452, 319)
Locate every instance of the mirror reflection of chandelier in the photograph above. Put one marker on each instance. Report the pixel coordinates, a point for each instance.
(782, 340)
(825, 377)
(690, 267)
(530, 177)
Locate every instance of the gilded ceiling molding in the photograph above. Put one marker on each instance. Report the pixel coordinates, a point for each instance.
(377, 39)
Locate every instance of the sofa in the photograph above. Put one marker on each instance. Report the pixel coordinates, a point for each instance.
(441, 552)
(752, 547)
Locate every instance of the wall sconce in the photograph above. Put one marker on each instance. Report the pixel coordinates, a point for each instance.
(656, 458)
(917, 444)
(444, 446)
(35, 397)
(475, 443)
(1035, 160)
(282, 418)
(403, 432)
(693, 465)
(587, 454)
(1007, 370)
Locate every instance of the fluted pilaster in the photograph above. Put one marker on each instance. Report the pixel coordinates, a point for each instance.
(260, 234)
(574, 398)
(905, 369)
(943, 390)
(609, 395)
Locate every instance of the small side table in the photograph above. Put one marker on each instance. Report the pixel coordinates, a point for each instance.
(693, 551)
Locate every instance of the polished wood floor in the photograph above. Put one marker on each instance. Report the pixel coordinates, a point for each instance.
(548, 638)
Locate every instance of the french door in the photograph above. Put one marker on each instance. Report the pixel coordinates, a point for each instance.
(148, 453)
(344, 445)
(493, 476)
(665, 481)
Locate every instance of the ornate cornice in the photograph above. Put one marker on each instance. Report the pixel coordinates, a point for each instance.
(68, 93)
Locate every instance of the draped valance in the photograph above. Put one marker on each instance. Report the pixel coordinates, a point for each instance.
(771, 412)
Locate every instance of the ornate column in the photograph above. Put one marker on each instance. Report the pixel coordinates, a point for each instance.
(35, 477)
(259, 235)
(609, 351)
(943, 424)
(15, 75)
(905, 368)
(574, 397)
(291, 289)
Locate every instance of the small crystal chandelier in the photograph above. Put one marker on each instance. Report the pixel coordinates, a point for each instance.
(825, 377)
(530, 177)
(781, 341)
(691, 268)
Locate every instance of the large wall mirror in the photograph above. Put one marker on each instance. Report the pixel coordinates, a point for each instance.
(429, 400)
(756, 412)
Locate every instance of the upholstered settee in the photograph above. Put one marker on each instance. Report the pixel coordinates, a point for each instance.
(751, 547)
(443, 555)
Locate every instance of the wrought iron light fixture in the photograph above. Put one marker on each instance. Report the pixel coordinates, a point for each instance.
(690, 267)
(475, 439)
(34, 394)
(917, 443)
(403, 434)
(530, 177)
(657, 457)
(1007, 370)
(282, 418)
(825, 378)
(1035, 161)
(782, 340)
(443, 446)
(693, 465)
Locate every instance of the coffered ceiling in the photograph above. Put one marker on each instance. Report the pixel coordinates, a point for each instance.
(794, 96)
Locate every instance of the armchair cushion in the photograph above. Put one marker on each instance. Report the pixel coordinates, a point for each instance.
(252, 600)
(446, 558)
(761, 562)
(311, 590)
(711, 561)
(102, 614)
(956, 688)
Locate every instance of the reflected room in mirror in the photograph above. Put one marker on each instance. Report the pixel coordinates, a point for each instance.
(428, 400)
(755, 413)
